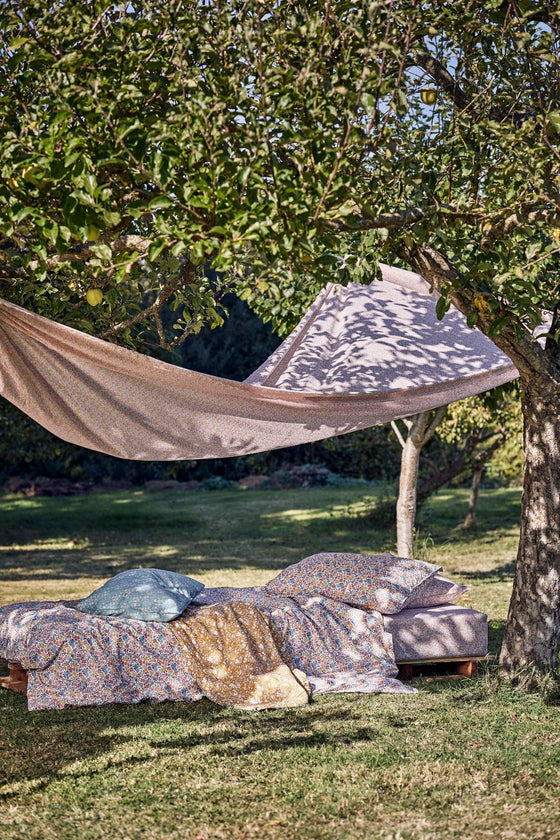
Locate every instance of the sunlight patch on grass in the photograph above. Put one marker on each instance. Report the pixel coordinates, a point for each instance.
(352, 509)
(47, 545)
(12, 502)
(298, 515)
(245, 576)
(47, 590)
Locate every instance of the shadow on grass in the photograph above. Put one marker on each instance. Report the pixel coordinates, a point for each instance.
(100, 535)
(104, 561)
(496, 630)
(501, 574)
(45, 746)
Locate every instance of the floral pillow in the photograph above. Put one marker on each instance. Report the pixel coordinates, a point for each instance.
(372, 581)
(435, 591)
(143, 594)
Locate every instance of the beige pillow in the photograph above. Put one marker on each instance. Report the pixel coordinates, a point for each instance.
(435, 591)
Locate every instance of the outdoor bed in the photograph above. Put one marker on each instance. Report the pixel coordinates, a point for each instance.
(329, 624)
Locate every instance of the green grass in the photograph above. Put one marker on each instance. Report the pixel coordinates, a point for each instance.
(461, 759)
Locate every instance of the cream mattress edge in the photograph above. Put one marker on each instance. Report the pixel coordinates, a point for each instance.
(446, 631)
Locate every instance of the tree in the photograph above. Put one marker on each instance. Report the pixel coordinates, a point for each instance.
(474, 428)
(477, 428)
(420, 429)
(290, 144)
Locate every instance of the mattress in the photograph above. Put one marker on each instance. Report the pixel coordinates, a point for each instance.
(446, 632)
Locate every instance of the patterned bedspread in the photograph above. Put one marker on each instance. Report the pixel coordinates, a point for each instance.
(231, 653)
(76, 659)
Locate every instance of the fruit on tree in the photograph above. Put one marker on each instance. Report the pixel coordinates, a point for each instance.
(94, 296)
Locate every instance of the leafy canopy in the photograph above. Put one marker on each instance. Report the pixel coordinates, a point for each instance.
(286, 144)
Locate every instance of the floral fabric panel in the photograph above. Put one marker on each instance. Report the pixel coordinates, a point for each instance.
(372, 581)
(229, 651)
(339, 647)
(74, 659)
(435, 591)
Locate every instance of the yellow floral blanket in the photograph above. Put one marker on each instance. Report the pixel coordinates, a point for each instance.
(231, 654)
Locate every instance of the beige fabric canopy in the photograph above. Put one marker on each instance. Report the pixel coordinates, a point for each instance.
(361, 356)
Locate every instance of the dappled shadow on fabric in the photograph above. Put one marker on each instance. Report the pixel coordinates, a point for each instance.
(370, 339)
(362, 355)
(446, 631)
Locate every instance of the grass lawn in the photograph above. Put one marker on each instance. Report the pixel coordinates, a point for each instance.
(461, 759)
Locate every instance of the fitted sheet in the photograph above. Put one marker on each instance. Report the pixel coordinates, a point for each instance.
(447, 631)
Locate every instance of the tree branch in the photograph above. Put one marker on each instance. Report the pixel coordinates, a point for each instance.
(546, 13)
(458, 466)
(499, 223)
(13, 272)
(398, 433)
(523, 216)
(435, 421)
(516, 341)
(443, 78)
(186, 276)
(86, 251)
(464, 103)
(363, 221)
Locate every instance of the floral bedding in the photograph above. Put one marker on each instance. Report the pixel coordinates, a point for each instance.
(230, 651)
(75, 659)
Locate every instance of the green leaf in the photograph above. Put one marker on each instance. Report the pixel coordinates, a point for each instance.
(442, 306)
(155, 249)
(17, 42)
(103, 251)
(162, 202)
(554, 120)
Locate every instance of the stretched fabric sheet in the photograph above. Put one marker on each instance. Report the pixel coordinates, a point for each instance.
(361, 356)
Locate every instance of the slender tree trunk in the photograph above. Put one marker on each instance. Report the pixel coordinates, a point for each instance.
(406, 503)
(421, 427)
(470, 519)
(533, 624)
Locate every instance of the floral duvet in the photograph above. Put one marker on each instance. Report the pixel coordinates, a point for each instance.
(74, 659)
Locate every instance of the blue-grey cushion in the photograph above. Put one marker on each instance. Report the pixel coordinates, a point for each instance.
(143, 594)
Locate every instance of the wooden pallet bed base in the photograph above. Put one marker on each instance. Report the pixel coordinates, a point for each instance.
(458, 666)
(17, 678)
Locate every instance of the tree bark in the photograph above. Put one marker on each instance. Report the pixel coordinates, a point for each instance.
(532, 627)
(470, 519)
(406, 503)
(421, 427)
(533, 624)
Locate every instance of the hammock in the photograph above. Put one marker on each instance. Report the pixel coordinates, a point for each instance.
(361, 356)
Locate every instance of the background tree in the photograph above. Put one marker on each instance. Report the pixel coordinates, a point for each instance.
(141, 140)
(419, 430)
(469, 433)
(477, 428)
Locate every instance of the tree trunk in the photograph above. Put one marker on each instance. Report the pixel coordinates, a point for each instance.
(421, 427)
(470, 519)
(533, 624)
(406, 503)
